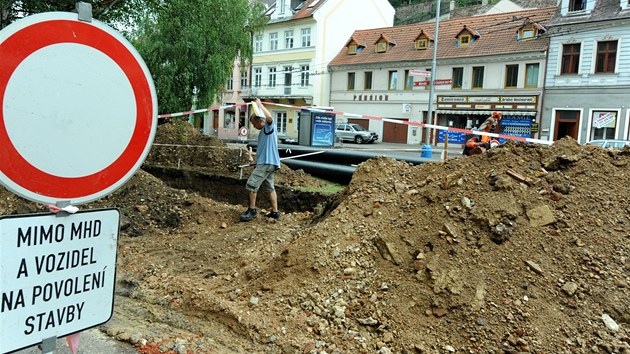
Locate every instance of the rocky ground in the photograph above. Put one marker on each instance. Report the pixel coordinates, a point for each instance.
(524, 248)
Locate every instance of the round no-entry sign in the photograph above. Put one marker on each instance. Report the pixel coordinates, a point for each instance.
(78, 109)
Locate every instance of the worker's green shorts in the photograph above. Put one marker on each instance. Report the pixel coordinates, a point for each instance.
(261, 178)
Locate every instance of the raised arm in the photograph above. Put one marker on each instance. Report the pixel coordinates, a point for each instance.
(267, 113)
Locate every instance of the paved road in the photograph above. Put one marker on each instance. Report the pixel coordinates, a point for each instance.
(92, 341)
(437, 152)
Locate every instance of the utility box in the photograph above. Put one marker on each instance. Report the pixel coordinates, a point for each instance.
(317, 127)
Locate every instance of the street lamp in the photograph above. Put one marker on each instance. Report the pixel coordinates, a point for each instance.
(427, 138)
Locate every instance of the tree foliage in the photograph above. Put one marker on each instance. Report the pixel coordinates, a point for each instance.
(118, 13)
(193, 43)
(185, 43)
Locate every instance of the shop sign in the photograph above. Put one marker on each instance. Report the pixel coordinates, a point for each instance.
(371, 97)
(518, 99)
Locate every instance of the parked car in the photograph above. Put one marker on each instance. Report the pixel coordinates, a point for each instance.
(609, 143)
(355, 132)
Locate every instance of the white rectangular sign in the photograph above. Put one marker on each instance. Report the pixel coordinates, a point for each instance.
(57, 274)
(603, 120)
(419, 73)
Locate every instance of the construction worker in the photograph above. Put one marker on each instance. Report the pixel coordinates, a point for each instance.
(479, 143)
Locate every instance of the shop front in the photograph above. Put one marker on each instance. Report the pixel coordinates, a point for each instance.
(467, 112)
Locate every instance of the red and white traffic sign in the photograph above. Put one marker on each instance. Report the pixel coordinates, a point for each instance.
(243, 131)
(78, 109)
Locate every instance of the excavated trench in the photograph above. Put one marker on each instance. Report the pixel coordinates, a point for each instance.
(231, 190)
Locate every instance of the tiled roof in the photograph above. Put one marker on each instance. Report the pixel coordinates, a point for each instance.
(496, 36)
(307, 10)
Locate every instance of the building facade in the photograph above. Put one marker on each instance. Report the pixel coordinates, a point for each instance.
(484, 63)
(588, 78)
(292, 53)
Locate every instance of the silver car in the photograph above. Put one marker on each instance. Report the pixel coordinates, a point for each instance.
(355, 132)
(610, 143)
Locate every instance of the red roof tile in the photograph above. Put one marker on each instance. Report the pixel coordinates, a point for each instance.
(496, 36)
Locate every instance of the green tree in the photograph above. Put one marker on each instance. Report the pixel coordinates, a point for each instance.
(185, 43)
(194, 43)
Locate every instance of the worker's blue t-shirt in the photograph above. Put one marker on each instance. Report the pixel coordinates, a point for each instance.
(267, 151)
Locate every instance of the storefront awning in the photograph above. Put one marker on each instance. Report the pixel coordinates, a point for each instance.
(486, 113)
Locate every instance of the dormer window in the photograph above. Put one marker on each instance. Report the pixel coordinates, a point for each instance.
(383, 43)
(354, 47)
(530, 30)
(422, 43)
(466, 36)
(423, 40)
(578, 7)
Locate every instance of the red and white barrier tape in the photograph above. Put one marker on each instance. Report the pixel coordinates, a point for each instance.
(419, 124)
(179, 114)
(353, 115)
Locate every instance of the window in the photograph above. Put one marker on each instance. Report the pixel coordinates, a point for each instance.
(603, 126)
(352, 49)
(464, 39)
(257, 77)
(606, 57)
(570, 58)
(527, 33)
(304, 75)
(351, 77)
(511, 76)
(229, 119)
(288, 39)
(408, 81)
(457, 78)
(272, 77)
(230, 83)
(422, 43)
(367, 84)
(281, 122)
(258, 39)
(306, 37)
(381, 47)
(477, 77)
(273, 41)
(577, 5)
(243, 79)
(531, 75)
(282, 6)
(393, 80)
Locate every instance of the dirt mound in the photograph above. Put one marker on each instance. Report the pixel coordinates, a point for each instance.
(524, 248)
(178, 145)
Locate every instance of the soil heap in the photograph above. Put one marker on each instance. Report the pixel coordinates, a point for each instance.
(525, 248)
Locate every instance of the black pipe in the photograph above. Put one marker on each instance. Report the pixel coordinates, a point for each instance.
(347, 157)
(341, 174)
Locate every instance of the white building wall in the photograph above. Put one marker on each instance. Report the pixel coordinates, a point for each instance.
(336, 21)
(588, 46)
